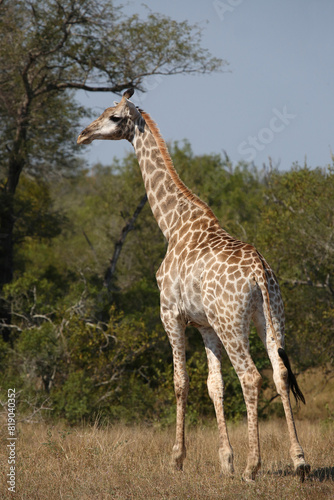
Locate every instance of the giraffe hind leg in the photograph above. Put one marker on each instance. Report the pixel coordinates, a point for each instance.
(301, 467)
(284, 379)
(237, 348)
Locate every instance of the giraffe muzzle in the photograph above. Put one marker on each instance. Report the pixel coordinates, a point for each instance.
(84, 138)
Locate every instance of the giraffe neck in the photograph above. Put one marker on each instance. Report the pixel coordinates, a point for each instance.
(168, 196)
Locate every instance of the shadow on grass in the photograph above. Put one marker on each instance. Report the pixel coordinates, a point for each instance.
(321, 474)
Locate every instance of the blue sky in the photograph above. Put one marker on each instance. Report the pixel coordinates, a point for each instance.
(276, 100)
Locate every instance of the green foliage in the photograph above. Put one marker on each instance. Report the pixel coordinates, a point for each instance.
(73, 402)
(92, 352)
(234, 194)
(296, 231)
(35, 216)
(40, 351)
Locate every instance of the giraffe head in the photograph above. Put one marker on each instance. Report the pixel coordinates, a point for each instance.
(115, 123)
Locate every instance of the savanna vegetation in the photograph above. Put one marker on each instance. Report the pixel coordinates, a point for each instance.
(81, 337)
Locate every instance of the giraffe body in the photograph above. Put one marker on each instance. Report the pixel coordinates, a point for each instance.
(210, 280)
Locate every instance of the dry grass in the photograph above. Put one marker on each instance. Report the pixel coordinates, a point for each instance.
(133, 463)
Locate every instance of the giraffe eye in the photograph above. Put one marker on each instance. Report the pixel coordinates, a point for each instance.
(115, 119)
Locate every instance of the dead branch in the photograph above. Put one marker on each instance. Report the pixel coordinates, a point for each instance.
(120, 242)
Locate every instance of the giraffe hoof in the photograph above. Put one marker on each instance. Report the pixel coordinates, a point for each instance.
(249, 479)
(250, 472)
(226, 463)
(178, 457)
(249, 476)
(302, 470)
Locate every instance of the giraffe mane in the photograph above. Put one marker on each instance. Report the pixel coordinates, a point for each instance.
(170, 166)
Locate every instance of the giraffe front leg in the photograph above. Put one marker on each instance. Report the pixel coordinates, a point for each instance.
(181, 384)
(175, 330)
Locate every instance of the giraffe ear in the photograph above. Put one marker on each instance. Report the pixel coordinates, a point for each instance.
(116, 103)
(128, 93)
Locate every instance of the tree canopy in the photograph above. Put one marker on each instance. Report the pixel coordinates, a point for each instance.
(50, 49)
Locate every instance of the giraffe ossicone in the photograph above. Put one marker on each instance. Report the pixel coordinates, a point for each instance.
(211, 280)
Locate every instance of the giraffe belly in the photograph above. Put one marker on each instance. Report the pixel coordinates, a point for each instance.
(192, 303)
(195, 314)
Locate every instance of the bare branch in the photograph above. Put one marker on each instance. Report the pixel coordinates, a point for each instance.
(326, 285)
(35, 411)
(43, 316)
(7, 325)
(91, 246)
(82, 86)
(119, 244)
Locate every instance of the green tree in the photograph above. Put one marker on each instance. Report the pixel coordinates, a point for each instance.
(296, 234)
(235, 194)
(49, 49)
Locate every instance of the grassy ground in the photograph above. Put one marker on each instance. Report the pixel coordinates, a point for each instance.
(133, 463)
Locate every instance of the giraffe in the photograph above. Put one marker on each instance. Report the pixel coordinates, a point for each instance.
(212, 281)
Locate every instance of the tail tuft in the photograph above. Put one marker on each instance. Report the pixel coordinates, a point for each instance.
(291, 378)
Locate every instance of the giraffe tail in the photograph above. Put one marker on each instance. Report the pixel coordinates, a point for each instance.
(293, 385)
(299, 396)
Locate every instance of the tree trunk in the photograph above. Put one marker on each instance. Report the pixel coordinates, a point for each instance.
(7, 213)
(6, 258)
